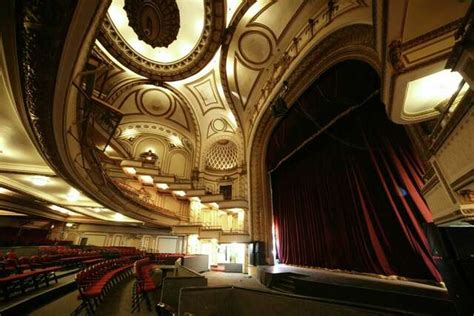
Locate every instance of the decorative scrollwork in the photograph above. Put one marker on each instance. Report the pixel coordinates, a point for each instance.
(204, 50)
(395, 55)
(41, 32)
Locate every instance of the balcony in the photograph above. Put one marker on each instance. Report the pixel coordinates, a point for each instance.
(212, 232)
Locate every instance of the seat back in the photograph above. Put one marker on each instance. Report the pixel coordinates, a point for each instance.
(23, 260)
(11, 263)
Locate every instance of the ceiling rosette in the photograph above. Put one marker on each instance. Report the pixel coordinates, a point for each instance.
(146, 36)
(156, 22)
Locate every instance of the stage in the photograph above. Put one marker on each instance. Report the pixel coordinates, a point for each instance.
(397, 295)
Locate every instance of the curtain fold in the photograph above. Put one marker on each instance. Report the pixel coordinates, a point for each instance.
(342, 207)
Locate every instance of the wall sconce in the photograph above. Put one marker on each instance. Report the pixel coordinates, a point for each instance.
(149, 157)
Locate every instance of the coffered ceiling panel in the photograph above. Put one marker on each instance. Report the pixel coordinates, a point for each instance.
(205, 93)
(158, 105)
(219, 125)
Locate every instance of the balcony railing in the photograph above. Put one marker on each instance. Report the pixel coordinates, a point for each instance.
(459, 103)
(235, 232)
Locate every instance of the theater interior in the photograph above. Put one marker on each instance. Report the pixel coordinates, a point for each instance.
(236, 157)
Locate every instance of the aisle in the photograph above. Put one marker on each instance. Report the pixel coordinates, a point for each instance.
(118, 301)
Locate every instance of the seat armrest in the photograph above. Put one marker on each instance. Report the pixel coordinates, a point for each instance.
(163, 309)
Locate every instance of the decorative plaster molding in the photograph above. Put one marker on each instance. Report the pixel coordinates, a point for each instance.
(26, 169)
(204, 50)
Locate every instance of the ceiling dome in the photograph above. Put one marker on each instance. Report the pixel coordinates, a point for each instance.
(147, 37)
(156, 22)
(222, 155)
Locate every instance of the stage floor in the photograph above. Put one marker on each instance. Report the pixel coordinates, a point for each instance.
(401, 295)
(335, 277)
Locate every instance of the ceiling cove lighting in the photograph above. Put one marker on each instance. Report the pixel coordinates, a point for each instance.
(162, 186)
(427, 92)
(130, 171)
(3, 190)
(73, 195)
(60, 209)
(40, 180)
(146, 179)
(119, 217)
(179, 193)
(175, 141)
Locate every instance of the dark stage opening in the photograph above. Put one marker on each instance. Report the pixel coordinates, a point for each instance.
(348, 198)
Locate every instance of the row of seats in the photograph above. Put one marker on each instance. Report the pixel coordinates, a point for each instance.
(11, 264)
(64, 250)
(21, 282)
(144, 283)
(94, 282)
(123, 251)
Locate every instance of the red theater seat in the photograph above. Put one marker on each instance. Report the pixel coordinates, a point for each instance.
(96, 280)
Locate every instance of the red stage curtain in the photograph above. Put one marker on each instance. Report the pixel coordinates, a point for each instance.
(356, 208)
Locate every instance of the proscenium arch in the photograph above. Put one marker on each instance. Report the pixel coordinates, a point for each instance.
(358, 44)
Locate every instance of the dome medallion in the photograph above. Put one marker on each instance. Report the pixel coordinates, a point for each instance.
(156, 22)
(146, 36)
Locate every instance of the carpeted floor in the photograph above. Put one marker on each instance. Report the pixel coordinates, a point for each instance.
(62, 306)
(233, 279)
(118, 301)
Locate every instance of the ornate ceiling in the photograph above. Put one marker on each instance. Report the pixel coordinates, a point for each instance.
(192, 81)
(173, 50)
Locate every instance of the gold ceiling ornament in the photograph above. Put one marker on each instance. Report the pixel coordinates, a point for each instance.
(153, 68)
(156, 22)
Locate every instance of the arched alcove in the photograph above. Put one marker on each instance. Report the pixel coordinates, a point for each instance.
(153, 143)
(178, 164)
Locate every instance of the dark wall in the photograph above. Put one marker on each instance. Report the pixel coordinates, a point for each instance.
(15, 236)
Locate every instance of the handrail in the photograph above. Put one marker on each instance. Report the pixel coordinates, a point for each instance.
(136, 195)
(455, 109)
(235, 232)
(209, 227)
(445, 114)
